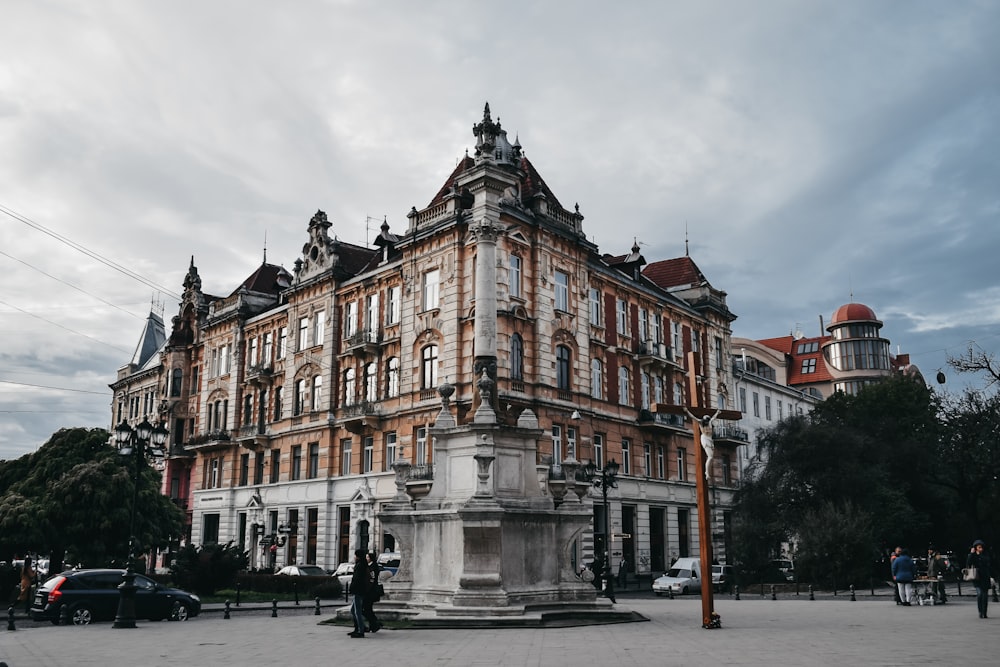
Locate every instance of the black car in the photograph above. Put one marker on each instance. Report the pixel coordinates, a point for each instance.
(92, 595)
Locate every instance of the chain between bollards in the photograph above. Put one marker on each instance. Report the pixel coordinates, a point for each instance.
(225, 614)
(317, 606)
(274, 608)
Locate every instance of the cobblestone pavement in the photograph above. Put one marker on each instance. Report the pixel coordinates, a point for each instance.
(755, 631)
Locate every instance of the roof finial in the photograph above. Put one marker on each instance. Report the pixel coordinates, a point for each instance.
(687, 252)
(265, 246)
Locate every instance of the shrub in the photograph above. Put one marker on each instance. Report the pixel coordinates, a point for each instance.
(208, 568)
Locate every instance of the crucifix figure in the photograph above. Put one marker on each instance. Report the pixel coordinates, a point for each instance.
(707, 443)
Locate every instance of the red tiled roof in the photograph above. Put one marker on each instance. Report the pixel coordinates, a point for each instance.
(669, 273)
(853, 312)
(789, 346)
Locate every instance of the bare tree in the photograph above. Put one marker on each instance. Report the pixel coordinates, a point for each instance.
(977, 360)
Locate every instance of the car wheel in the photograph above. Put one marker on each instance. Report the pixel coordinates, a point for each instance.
(81, 615)
(684, 591)
(180, 612)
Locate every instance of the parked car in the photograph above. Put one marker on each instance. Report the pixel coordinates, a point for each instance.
(722, 578)
(683, 577)
(389, 561)
(93, 595)
(302, 571)
(785, 567)
(343, 574)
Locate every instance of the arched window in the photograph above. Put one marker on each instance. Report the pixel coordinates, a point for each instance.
(429, 367)
(392, 377)
(300, 396)
(350, 387)
(624, 385)
(562, 368)
(317, 393)
(596, 378)
(371, 382)
(516, 357)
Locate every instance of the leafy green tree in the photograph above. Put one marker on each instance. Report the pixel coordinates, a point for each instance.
(208, 568)
(74, 495)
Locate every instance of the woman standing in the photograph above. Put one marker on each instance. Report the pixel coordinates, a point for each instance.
(372, 594)
(981, 561)
(902, 573)
(27, 578)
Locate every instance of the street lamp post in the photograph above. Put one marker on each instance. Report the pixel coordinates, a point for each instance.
(144, 440)
(604, 479)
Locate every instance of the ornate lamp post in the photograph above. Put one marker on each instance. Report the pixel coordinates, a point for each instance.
(145, 440)
(603, 479)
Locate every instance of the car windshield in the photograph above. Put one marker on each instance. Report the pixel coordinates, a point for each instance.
(679, 574)
(344, 568)
(311, 571)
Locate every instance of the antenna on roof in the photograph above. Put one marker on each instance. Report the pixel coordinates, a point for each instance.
(368, 228)
(265, 246)
(687, 252)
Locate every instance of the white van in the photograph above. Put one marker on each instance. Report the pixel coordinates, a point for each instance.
(683, 577)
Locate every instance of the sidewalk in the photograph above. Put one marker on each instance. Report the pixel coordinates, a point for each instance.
(754, 631)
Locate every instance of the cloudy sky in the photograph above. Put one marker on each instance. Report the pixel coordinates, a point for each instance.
(812, 153)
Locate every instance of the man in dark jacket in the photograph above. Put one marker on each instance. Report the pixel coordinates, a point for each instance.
(902, 573)
(359, 588)
(981, 561)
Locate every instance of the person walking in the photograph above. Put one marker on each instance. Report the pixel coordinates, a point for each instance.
(902, 574)
(359, 587)
(27, 579)
(979, 559)
(935, 570)
(372, 593)
(609, 580)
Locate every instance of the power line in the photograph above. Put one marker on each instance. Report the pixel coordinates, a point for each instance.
(42, 386)
(56, 324)
(89, 253)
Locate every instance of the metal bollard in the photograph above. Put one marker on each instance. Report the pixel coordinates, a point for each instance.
(295, 589)
(670, 593)
(317, 606)
(237, 594)
(774, 594)
(854, 598)
(10, 618)
(812, 595)
(225, 614)
(736, 590)
(274, 608)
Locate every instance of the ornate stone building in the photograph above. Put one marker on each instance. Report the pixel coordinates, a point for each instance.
(289, 400)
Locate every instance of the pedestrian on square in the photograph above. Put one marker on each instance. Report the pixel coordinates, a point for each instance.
(902, 574)
(623, 573)
(359, 586)
(979, 559)
(27, 579)
(895, 588)
(609, 580)
(935, 571)
(372, 594)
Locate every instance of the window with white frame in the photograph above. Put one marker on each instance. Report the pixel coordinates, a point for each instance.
(678, 393)
(303, 333)
(268, 348)
(655, 328)
(681, 464)
(599, 450)
(282, 342)
(596, 378)
(767, 408)
(420, 454)
(556, 443)
(252, 356)
(313, 467)
(350, 318)
(743, 400)
(317, 393)
(345, 456)
(392, 377)
(622, 316)
(319, 327)
(647, 459)
(393, 297)
(350, 387)
(371, 316)
(657, 389)
(727, 479)
(595, 307)
(515, 276)
(678, 340)
(296, 471)
(624, 386)
(429, 367)
(299, 399)
(390, 450)
(431, 289)
(562, 291)
(571, 442)
(660, 462)
(756, 404)
(626, 456)
(781, 410)
(695, 336)
(643, 332)
(371, 382)
(369, 453)
(644, 390)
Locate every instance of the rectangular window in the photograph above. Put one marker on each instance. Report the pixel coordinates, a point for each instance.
(225, 357)
(808, 366)
(252, 357)
(781, 410)
(369, 454)
(644, 390)
(622, 316)
(215, 474)
(421, 451)
(392, 306)
(296, 462)
(317, 393)
(265, 356)
(660, 462)
(695, 336)
(277, 402)
(275, 465)
(571, 443)
(371, 316)
(282, 342)
(303, 333)
(767, 408)
(556, 443)
(595, 307)
(211, 529)
(718, 353)
(743, 400)
(515, 276)
(345, 456)
(350, 319)
(655, 332)
(678, 340)
(643, 332)
(599, 451)
(431, 289)
(756, 404)
(390, 450)
(258, 468)
(319, 328)
(626, 457)
(562, 291)
(727, 479)
(313, 472)
(681, 464)
(647, 459)
(244, 469)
